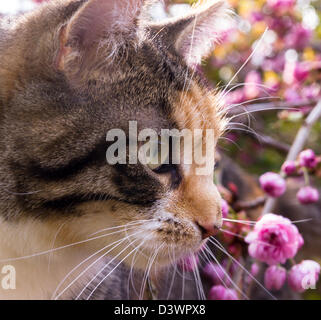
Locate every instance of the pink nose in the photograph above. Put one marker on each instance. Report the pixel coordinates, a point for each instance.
(209, 230)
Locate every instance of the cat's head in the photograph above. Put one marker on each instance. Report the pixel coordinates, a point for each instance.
(75, 70)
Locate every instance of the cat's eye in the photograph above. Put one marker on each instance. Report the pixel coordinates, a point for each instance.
(158, 157)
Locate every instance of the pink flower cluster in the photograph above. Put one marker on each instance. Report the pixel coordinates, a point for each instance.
(219, 292)
(281, 4)
(307, 160)
(219, 275)
(304, 276)
(275, 186)
(301, 276)
(274, 240)
(274, 277)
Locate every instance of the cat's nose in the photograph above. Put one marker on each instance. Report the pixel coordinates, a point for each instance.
(209, 229)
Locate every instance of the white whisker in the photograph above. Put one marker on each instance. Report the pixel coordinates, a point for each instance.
(53, 244)
(219, 246)
(117, 243)
(96, 287)
(122, 226)
(202, 294)
(60, 248)
(260, 110)
(208, 260)
(227, 275)
(247, 60)
(240, 221)
(173, 277)
(148, 269)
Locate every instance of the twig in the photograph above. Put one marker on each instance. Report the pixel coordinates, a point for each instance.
(297, 146)
(252, 204)
(270, 142)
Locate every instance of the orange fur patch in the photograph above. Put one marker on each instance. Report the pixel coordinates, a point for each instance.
(199, 109)
(197, 197)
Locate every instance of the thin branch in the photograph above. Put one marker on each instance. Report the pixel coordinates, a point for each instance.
(270, 142)
(247, 205)
(297, 146)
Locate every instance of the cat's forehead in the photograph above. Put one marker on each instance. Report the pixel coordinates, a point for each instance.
(199, 108)
(177, 91)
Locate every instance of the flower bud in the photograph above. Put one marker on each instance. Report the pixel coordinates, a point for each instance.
(273, 184)
(308, 159)
(289, 167)
(274, 277)
(225, 208)
(216, 274)
(308, 195)
(221, 293)
(252, 88)
(304, 276)
(301, 72)
(255, 269)
(189, 263)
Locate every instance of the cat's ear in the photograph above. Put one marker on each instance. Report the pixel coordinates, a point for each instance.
(113, 20)
(194, 35)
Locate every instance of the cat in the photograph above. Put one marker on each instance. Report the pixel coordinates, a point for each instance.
(70, 71)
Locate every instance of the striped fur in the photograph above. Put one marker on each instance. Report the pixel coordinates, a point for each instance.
(63, 85)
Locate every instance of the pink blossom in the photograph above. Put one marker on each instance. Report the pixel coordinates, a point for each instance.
(311, 92)
(255, 269)
(281, 4)
(231, 265)
(308, 195)
(235, 97)
(279, 23)
(253, 81)
(292, 95)
(274, 277)
(235, 249)
(301, 72)
(274, 239)
(308, 159)
(221, 293)
(304, 275)
(216, 274)
(189, 263)
(276, 64)
(289, 167)
(225, 208)
(298, 38)
(273, 184)
(256, 16)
